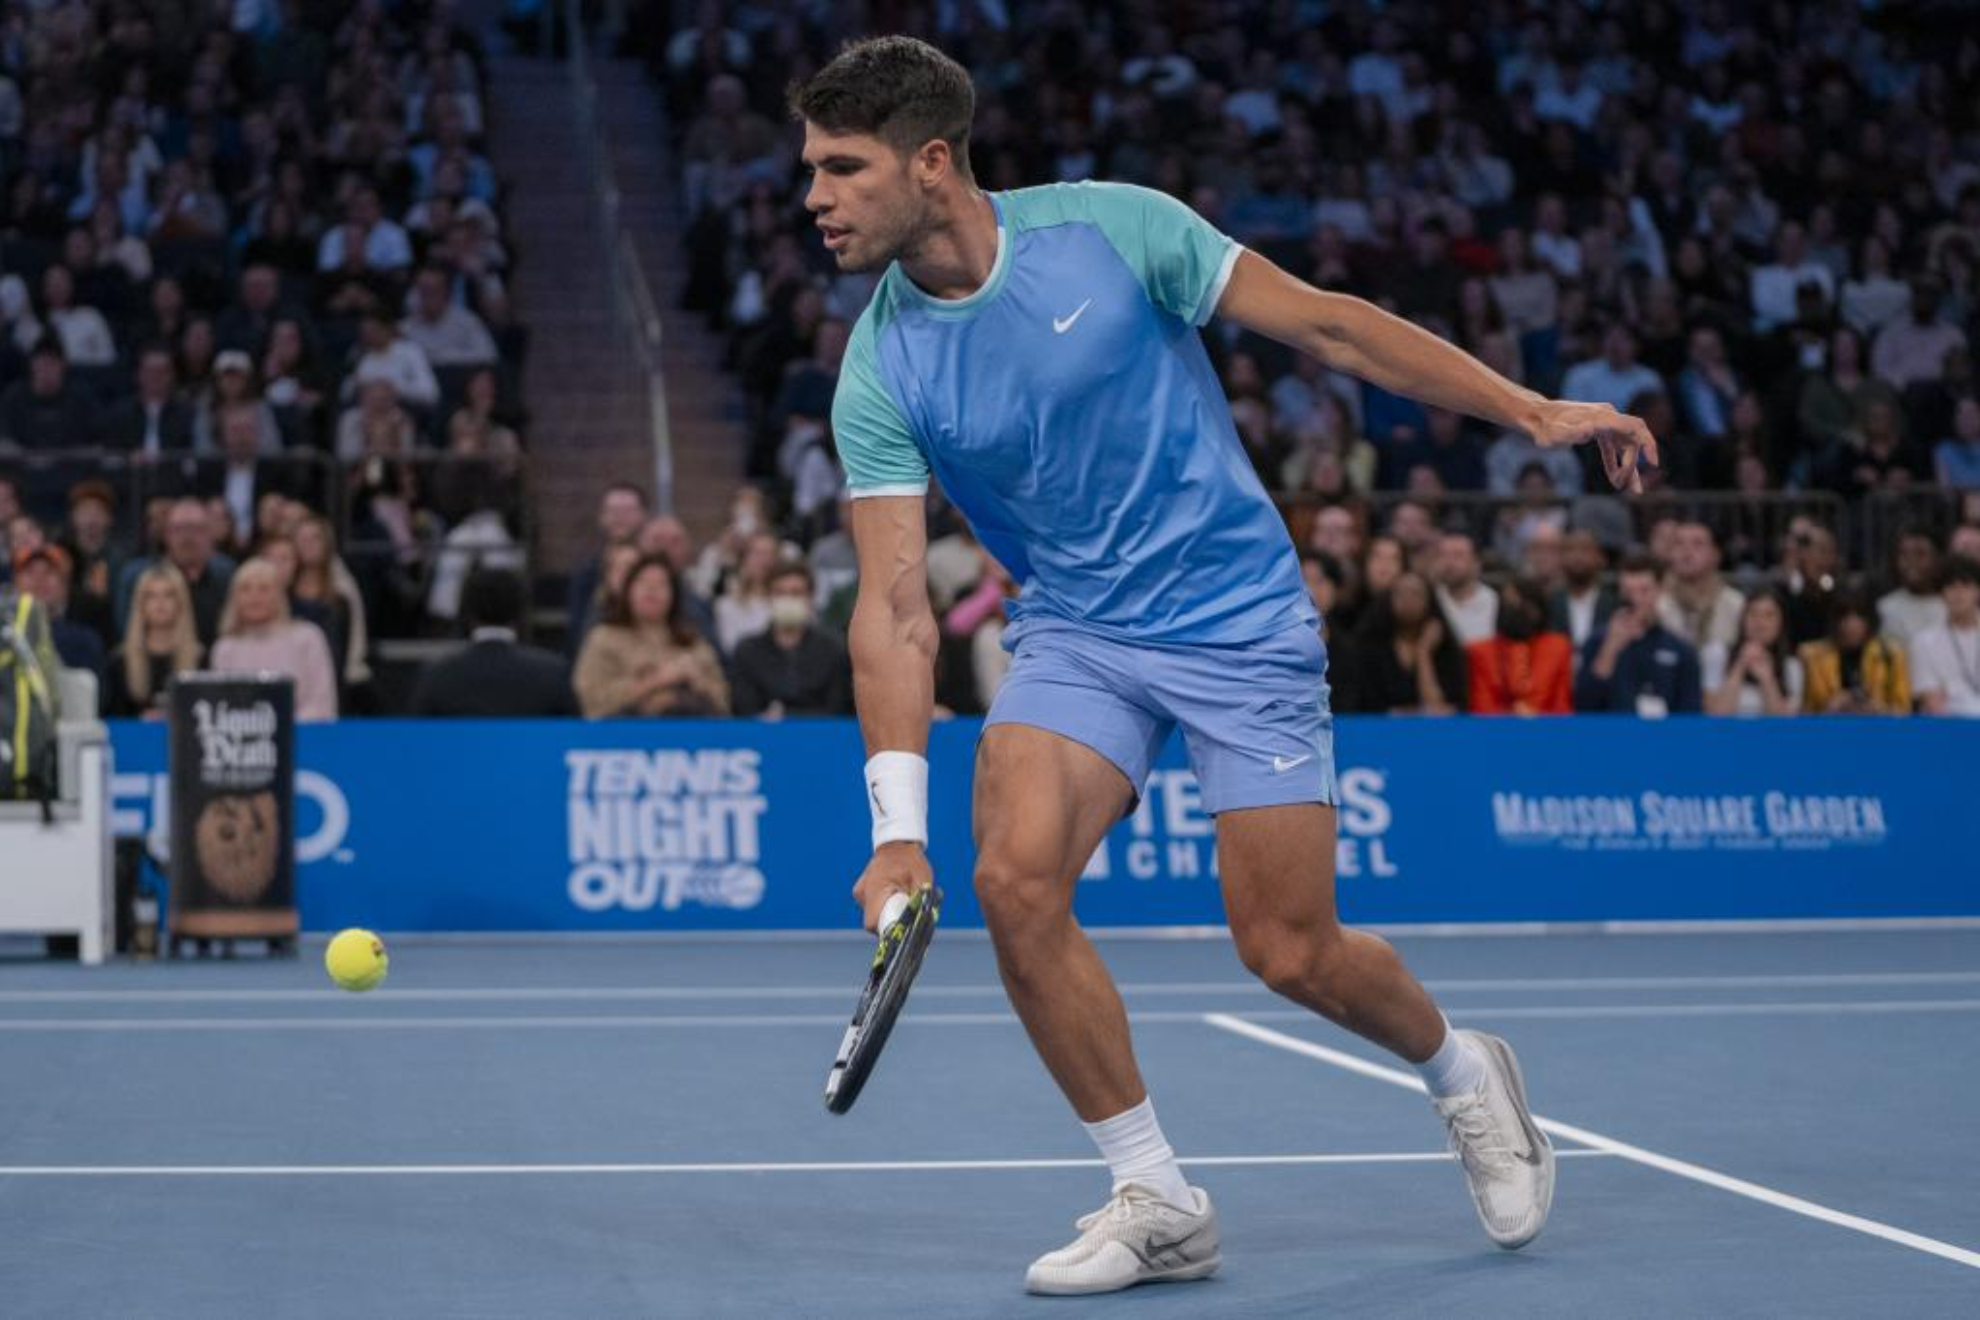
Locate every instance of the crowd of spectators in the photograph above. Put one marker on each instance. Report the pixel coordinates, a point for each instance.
(1754, 225)
(253, 280)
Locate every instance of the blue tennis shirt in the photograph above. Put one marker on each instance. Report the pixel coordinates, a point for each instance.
(1071, 414)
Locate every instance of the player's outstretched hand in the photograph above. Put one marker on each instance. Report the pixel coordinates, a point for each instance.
(896, 868)
(1621, 438)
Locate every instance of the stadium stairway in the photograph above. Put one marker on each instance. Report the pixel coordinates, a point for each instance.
(587, 397)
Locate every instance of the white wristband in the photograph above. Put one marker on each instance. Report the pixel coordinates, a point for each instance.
(897, 790)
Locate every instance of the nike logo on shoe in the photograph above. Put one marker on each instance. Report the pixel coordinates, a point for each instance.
(1281, 764)
(1061, 324)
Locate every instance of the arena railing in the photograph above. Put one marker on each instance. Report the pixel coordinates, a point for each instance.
(1750, 528)
(633, 306)
(441, 492)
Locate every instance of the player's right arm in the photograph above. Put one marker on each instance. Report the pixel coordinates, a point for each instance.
(893, 640)
(892, 637)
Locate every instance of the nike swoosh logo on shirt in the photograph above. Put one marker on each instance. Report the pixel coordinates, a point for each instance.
(1280, 764)
(1061, 324)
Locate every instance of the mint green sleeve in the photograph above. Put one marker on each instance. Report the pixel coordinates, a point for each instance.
(876, 445)
(1183, 261)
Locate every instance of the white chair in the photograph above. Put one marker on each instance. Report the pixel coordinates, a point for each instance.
(56, 876)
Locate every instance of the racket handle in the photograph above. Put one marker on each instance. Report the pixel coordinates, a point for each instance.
(895, 907)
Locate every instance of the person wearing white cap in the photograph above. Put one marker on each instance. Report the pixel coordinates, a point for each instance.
(234, 383)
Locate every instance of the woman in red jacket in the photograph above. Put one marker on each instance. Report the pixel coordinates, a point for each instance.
(1524, 669)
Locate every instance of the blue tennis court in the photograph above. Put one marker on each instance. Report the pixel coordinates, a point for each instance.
(1752, 1124)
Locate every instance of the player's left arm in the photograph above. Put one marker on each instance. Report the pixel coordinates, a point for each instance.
(1354, 336)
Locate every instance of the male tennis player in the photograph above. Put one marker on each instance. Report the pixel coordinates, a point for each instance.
(1038, 351)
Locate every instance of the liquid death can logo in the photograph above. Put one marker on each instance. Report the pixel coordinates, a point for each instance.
(664, 829)
(236, 743)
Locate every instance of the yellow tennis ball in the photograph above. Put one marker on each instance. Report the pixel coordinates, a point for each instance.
(356, 959)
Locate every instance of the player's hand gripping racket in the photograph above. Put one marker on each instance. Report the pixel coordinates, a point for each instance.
(906, 926)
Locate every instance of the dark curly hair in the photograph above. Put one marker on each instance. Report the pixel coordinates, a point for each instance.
(898, 89)
(617, 609)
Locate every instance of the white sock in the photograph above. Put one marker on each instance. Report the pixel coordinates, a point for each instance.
(1136, 1151)
(1456, 1067)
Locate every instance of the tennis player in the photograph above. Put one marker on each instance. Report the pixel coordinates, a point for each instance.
(1037, 351)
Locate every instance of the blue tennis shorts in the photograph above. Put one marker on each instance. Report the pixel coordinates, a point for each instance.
(1254, 716)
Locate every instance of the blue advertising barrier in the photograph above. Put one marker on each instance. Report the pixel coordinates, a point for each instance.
(717, 825)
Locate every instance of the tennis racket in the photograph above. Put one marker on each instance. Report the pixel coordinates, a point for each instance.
(906, 927)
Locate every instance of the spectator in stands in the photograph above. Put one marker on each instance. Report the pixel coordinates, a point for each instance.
(45, 411)
(794, 667)
(156, 420)
(494, 675)
(293, 386)
(974, 626)
(243, 476)
(280, 550)
(1912, 349)
(743, 608)
(160, 643)
(384, 243)
(1525, 668)
(1945, 668)
(323, 579)
(1873, 298)
(1833, 403)
(1406, 659)
(377, 427)
(42, 572)
(84, 333)
(188, 545)
(93, 555)
(246, 324)
(1470, 606)
(386, 355)
(1761, 675)
(448, 333)
(644, 658)
(1635, 664)
(1809, 563)
(257, 634)
(622, 510)
(1852, 671)
(1707, 386)
(1915, 604)
(1957, 458)
(1616, 377)
(1776, 285)
(664, 534)
(1697, 604)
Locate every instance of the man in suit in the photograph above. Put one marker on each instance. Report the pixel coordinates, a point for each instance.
(157, 421)
(494, 675)
(1581, 608)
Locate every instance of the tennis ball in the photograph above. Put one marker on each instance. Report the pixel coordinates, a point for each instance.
(356, 959)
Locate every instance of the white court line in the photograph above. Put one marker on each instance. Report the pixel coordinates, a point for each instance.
(836, 1166)
(1636, 1154)
(665, 993)
(627, 1021)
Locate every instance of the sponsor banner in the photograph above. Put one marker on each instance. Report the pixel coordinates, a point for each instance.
(717, 825)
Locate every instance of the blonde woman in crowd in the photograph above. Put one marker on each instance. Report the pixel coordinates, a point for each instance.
(644, 657)
(160, 643)
(257, 633)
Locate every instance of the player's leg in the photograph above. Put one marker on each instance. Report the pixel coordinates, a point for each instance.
(1277, 867)
(1265, 762)
(1066, 748)
(1043, 803)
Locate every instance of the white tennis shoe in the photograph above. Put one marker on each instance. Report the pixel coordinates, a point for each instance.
(1135, 1238)
(1506, 1156)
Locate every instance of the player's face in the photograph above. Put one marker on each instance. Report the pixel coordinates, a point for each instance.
(865, 204)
